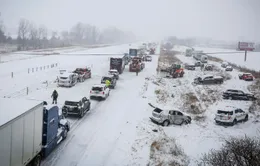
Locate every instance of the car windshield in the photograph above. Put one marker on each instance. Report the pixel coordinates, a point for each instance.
(158, 110)
(225, 112)
(97, 88)
(71, 103)
(106, 78)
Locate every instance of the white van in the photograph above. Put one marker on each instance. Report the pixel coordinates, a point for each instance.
(67, 79)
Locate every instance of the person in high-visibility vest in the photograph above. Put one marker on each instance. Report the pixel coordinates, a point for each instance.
(108, 83)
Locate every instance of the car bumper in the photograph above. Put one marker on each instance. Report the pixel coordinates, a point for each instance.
(221, 121)
(72, 111)
(64, 84)
(97, 96)
(156, 120)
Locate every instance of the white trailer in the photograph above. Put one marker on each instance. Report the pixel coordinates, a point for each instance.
(20, 131)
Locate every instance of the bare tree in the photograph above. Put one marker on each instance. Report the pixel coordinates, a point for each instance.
(236, 151)
(78, 32)
(94, 33)
(23, 31)
(33, 36)
(65, 36)
(43, 34)
(2, 34)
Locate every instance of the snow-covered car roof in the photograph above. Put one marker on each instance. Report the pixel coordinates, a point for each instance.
(227, 108)
(218, 77)
(109, 76)
(113, 70)
(66, 74)
(224, 62)
(247, 73)
(229, 66)
(206, 75)
(11, 108)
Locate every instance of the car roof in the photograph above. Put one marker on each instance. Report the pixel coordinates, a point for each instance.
(207, 75)
(110, 76)
(113, 70)
(227, 108)
(65, 74)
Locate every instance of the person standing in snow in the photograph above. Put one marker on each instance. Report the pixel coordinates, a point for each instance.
(54, 97)
(201, 66)
(108, 83)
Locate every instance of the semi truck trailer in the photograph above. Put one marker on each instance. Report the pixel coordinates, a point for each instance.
(29, 131)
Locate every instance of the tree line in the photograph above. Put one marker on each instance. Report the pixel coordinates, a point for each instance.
(31, 36)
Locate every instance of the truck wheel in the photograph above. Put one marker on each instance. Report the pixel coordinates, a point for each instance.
(37, 161)
(234, 122)
(65, 134)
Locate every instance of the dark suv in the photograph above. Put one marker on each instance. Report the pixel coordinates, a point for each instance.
(112, 80)
(233, 94)
(78, 107)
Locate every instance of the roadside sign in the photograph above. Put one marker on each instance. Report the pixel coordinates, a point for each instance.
(246, 46)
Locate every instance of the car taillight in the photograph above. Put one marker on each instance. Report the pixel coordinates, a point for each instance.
(229, 117)
(103, 92)
(90, 91)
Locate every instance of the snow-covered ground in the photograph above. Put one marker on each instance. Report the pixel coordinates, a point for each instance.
(252, 62)
(23, 55)
(201, 136)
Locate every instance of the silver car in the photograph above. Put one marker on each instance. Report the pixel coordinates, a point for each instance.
(167, 117)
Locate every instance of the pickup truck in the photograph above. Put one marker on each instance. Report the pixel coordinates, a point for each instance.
(29, 131)
(208, 79)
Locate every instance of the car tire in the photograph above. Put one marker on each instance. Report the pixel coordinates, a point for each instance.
(166, 123)
(81, 114)
(234, 122)
(246, 118)
(65, 113)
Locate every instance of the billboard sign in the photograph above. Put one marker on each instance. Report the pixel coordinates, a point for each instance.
(246, 46)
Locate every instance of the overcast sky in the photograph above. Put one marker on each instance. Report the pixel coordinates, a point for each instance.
(218, 19)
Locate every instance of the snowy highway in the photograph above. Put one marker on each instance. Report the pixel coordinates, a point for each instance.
(104, 136)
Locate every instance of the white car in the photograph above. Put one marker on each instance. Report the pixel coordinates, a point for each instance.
(230, 115)
(114, 72)
(224, 64)
(229, 68)
(99, 91)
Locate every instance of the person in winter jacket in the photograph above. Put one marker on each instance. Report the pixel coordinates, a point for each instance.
(201, 66)
(54, 97)
(108, 83)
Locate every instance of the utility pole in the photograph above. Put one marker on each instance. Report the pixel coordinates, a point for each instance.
(245, 55)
